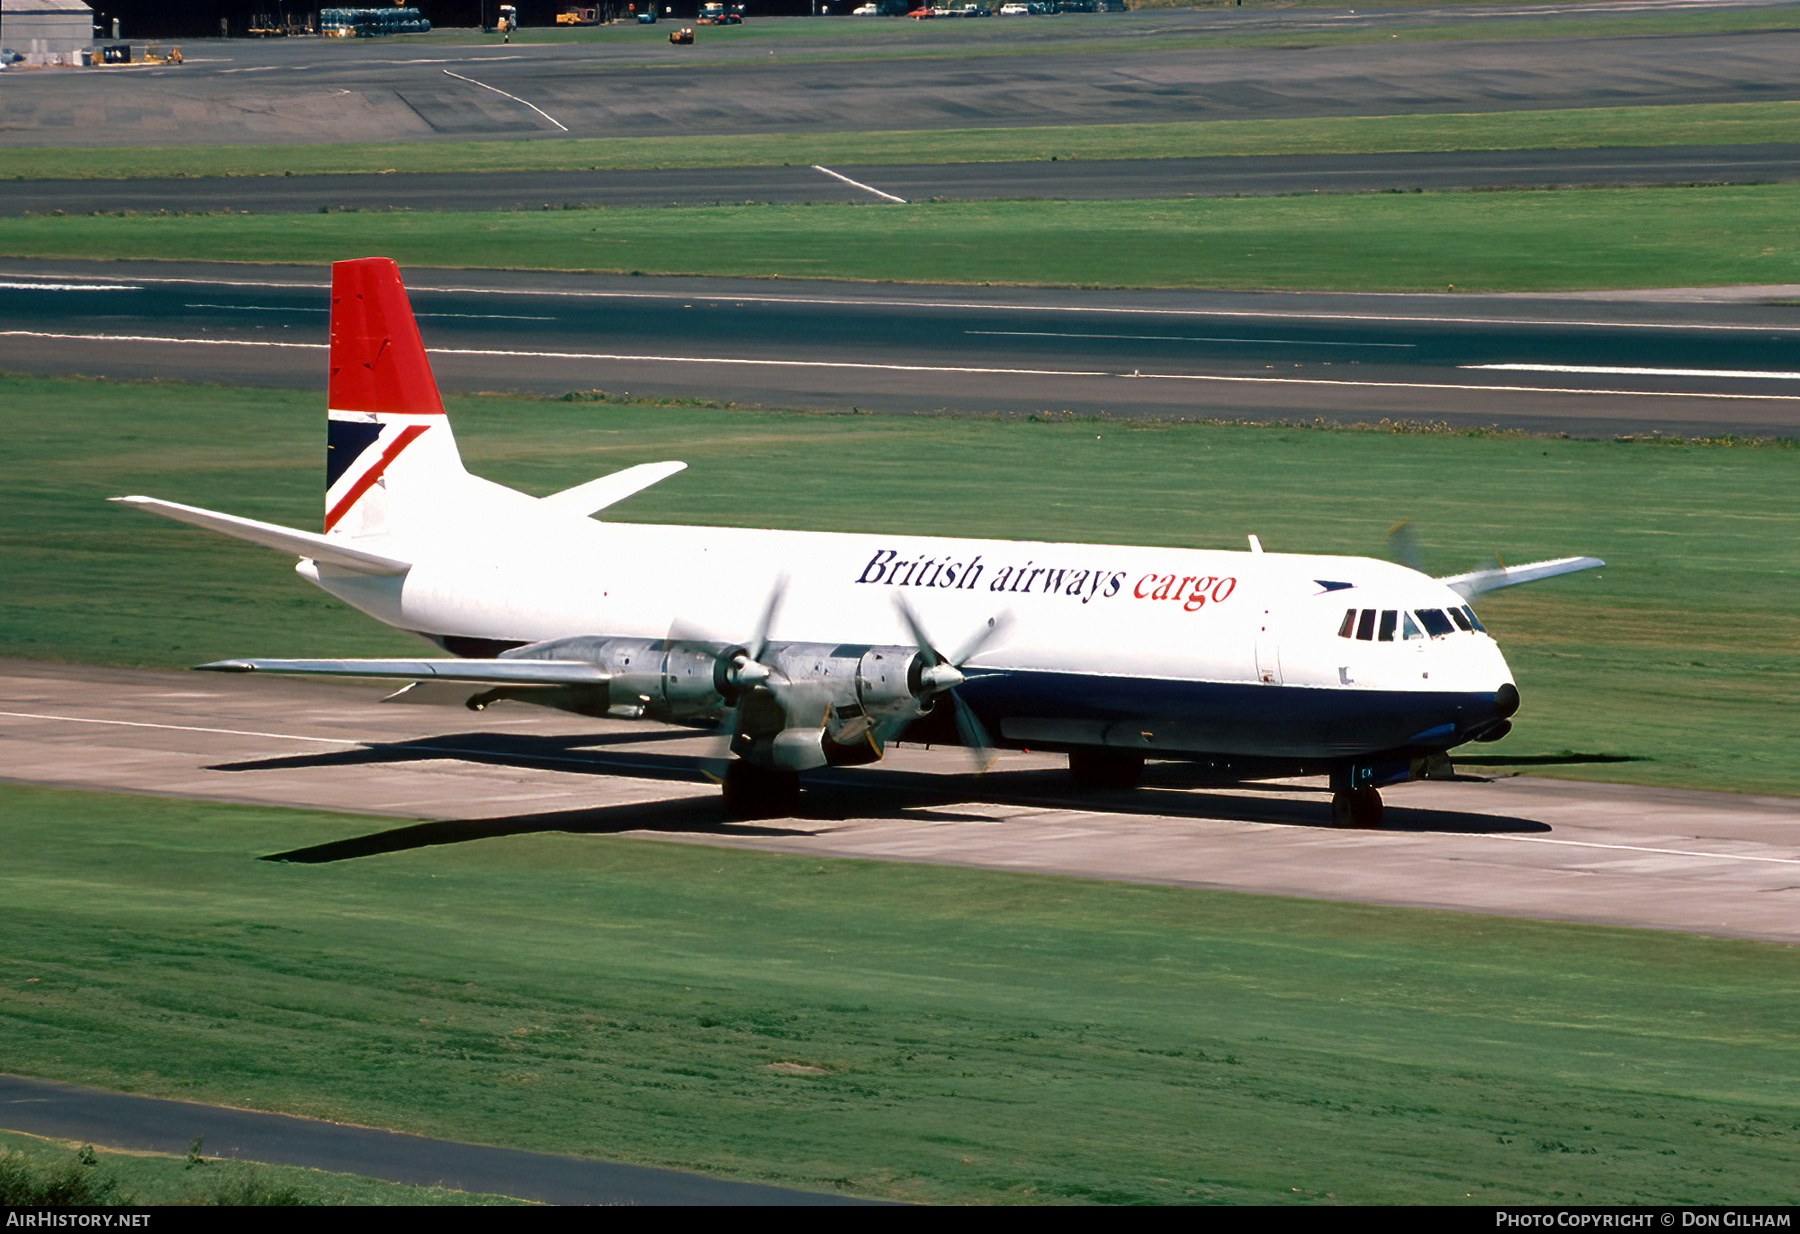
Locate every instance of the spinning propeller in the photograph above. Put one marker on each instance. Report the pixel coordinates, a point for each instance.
(942, 674)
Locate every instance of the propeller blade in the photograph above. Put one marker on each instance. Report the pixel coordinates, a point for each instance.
(996, 626)
(943, 675)
(973, 733)
(916, 628)
(759, 646)
(1403, 546)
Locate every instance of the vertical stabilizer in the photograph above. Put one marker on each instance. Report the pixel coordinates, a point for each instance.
(390, 459)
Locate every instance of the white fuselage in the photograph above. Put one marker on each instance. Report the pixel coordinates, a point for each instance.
(500, 569)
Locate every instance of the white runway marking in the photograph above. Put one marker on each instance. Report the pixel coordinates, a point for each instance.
(515, 98)
(181, 728)
(1186, 338)
(302, 308)
(613, 358)
(858, 184)
(1639, 372)
(1642, 848)
(68, 287)
(431, 747)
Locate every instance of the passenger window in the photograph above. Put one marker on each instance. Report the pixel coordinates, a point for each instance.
(1365, 629)
(1408, 629)
(1349, 626)
(1389, 619)
(1436, 624)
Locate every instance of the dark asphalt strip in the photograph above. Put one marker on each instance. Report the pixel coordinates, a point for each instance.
(149, 1124)
(1067, 180)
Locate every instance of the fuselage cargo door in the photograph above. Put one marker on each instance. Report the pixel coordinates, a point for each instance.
(1268, 649)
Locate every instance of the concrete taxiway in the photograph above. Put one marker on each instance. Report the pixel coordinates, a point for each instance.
(837, 76)
(1707, 863)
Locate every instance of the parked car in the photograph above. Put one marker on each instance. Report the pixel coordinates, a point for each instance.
(867, 10)
(1014, 10)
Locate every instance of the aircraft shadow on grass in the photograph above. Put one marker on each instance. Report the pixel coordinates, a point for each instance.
(832, 797)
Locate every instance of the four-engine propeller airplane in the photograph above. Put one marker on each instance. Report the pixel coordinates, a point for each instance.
(813, 649)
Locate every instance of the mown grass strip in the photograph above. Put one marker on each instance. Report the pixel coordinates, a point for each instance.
(1683, 655)
(1501, 241)
(1696, 124)
(909, 1032)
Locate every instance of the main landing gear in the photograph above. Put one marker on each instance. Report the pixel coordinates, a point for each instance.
(1356, 807)
(1106, 768)
(756, 792)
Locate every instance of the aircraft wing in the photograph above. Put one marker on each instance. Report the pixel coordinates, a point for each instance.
(1478, 582)
(273, 535)
(596, 495)
(519, 672)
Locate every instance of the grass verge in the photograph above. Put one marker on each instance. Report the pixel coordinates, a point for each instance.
(1684, 653)
(909, 1032)
(1486, 241)
(1696, 124)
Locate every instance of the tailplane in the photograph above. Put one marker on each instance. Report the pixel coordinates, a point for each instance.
(390, 458)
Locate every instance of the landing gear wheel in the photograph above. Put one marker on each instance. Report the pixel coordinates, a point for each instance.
(757, 792)
(1358, 807)
(1106, 768)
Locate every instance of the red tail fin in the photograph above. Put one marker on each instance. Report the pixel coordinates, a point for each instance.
(378, 363)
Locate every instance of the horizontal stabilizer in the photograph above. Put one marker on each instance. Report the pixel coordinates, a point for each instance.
(273, 535)
(485, 672)
(596, 495)
(1477, 582)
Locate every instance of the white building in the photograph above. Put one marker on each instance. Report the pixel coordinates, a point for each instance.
(56, 27)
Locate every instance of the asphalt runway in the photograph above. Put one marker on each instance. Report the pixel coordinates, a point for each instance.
(863, 76)
(1705, 863)
(151, 1125)
(1697, 366)
(1062, 180)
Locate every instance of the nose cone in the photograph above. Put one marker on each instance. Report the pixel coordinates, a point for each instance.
(1506, 700)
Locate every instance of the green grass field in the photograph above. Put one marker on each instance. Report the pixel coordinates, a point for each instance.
(889, 1030)
(1498, 241)
(1695, 124)
(1684, 653)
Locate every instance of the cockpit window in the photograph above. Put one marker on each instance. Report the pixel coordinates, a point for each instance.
(1349, 626)
(1408, 629)
(1436, 624)
(1365, 629)
(1473, 619)
(1456, 615)
(1389, 621)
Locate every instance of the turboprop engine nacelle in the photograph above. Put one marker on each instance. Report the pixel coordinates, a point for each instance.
(827, 704)
(665, 678)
